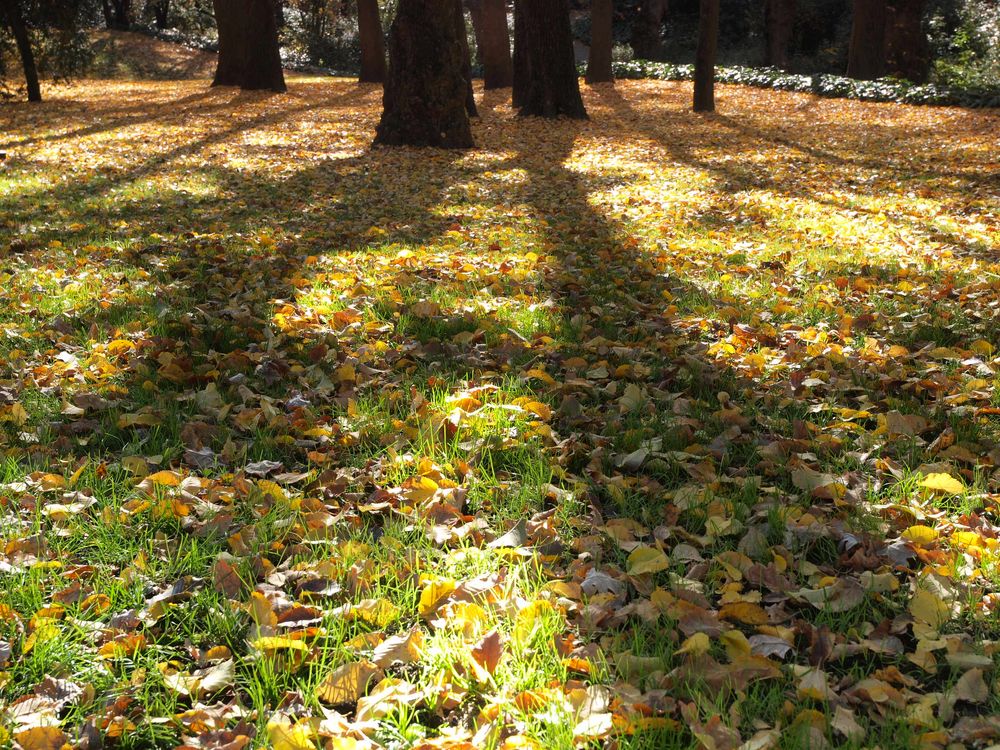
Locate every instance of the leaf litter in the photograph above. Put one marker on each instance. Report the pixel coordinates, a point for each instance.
(659, 428)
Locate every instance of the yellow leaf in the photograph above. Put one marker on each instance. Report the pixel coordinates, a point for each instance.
(284, 735)
(348, 682)
(434, 594)
(928, 608)
(44, 632)
(530, 618)
(271, 644)
(745, 612)
(944, 483)
(737, 645)
(376, 612)
(920, 534)
(42, 738)
(165, 478)
(696, 645)
(647, 560)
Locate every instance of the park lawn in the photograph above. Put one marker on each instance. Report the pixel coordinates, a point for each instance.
(657, 430)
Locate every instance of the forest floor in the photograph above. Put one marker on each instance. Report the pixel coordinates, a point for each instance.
(660, 430)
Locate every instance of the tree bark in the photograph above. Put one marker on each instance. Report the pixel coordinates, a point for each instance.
(10, 11)
(704, 61)
(470, 95)
(161, 13)
(372, 44)
(521, 72)
(121, 15)
(906, 49)
(494, 51)
(553, 88)
(647, 42)
(866, 53)
(232, 42)
(779, 23)
(424, 102)
(109, 19)
(262, 56)
(475, 8)
(601, 41)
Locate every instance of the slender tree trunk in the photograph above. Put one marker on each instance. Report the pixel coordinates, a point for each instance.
(906, 48)
(161, 13)
(10, 12)
(866, 54)
(425, 96)
(232, 41)
(779, 23)
(601, 41)
(262, 56)
(647, 42)
(122, 13)
(475, 8)
(372, 45)
(521, 73)
(554, 88)
(704, 61)
(109, 19)
(470, 95)
(495, 50)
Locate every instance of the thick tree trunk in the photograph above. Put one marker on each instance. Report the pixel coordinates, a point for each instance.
(249, 55)
(424, 102)
(704, 61)
(262, 56)
(647, 41)
(906, 49)
(866, 54)
(372, 45)
(232, 41)
(494, 51)
(601, 41)
(554, 88)
(10, 12)
(521, 73)
(779, 23)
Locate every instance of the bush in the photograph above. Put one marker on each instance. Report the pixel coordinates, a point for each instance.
(882, 90)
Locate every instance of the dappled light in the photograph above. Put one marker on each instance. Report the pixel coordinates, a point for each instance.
(600, 431)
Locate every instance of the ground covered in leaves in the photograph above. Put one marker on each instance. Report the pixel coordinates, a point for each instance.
(659, 430)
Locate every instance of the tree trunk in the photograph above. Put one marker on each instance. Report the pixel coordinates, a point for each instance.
(647, 41)
(470, 95)
(704, 61)
(161, 13)
(495, 45)
(475, 8)
(521, 70)
(121, 14)
(779, 23)
(424, 102)
(866, 54)
(554, 88)
(262, 56)
(109, 19)
(372, 45)
(906, 49)
(11, 13)
(232, 41)
(601, 41)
